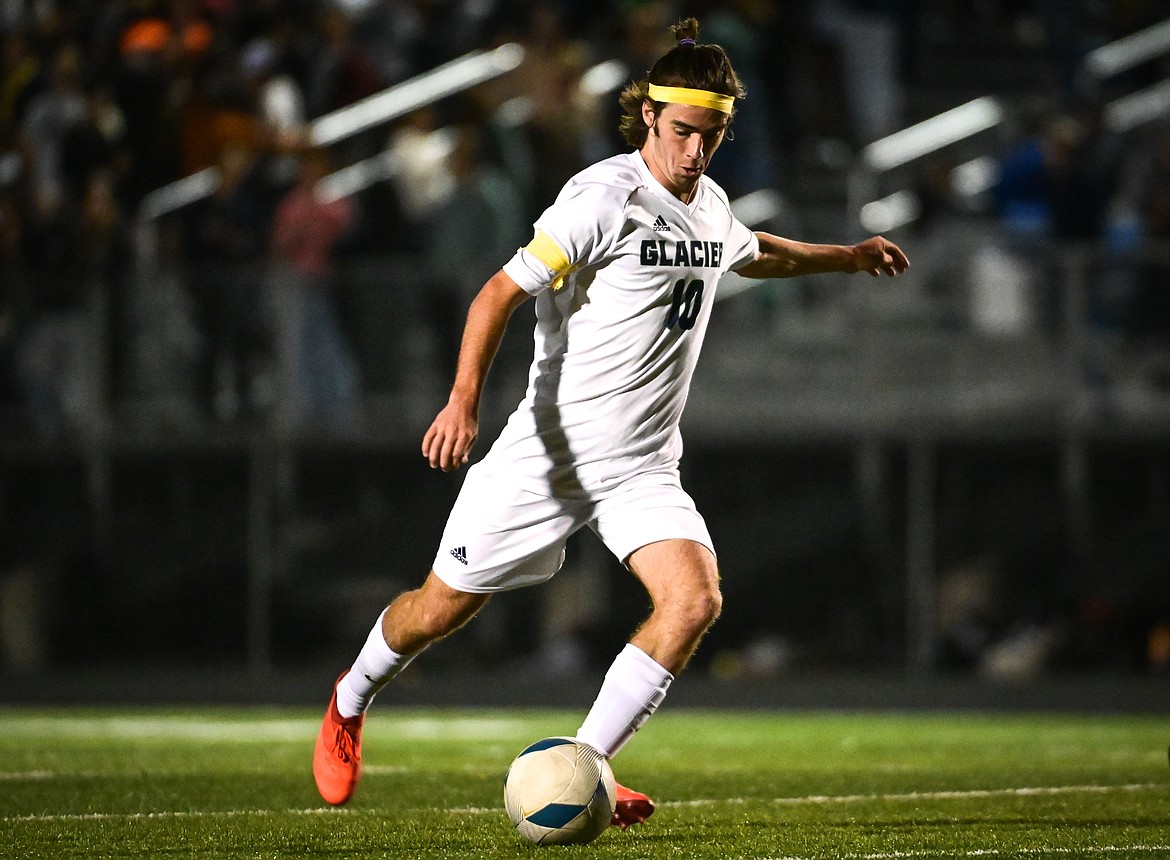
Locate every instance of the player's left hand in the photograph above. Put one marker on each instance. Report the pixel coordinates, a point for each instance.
(878, 255)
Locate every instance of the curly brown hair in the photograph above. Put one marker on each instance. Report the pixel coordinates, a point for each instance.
(700, 67)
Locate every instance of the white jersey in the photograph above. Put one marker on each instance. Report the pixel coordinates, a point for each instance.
(624, 275)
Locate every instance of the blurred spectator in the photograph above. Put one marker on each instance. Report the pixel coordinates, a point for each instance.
(319, 373)
(406, 37)
(75, 258)
(1084, 171)
(1150, 316)
(748, 160)
(97, 141)
(1058, 183)
(1154, 199)
(342, 72)
(550, 74)
(215, 114)
(50, 115)
(1023, 193)
(869, 36)
(54, 349)
(391, 29)
(191, 32)
(945, 243)
(642, 34)
(166, 345)
(485, 212)
(226, 245)
(144, 83)
(419, 151)
(19, 70)
(13, 278)
(641, 41)
(105, 262)
(278, 102)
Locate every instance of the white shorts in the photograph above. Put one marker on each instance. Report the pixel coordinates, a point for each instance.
(499, 536)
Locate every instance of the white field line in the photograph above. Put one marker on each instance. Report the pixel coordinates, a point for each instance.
(814, 799)
(45, 775)
(996, 852)
(1039, 791)
(258, 730)
(171, 815)
(491, 810)
(27, 776)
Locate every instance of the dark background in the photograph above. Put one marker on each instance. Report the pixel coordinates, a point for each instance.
(962, 473)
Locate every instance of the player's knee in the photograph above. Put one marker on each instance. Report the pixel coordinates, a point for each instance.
(699, 609)
(709, 606)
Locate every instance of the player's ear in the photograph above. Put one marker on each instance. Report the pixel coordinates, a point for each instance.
(648, 113)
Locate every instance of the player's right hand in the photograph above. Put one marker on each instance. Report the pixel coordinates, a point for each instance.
(447, 443)
(879, 256)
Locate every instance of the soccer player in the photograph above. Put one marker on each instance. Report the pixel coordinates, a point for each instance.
(624, 266)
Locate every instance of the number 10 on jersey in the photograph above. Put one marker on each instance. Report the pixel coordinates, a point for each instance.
(685, 304)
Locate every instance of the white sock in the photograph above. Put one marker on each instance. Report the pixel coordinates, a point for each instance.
(634, 687)
(376, 664)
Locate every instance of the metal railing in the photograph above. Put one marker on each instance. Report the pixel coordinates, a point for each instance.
(879, 213)
(599, 79)
(460, 74)
(1125, 53)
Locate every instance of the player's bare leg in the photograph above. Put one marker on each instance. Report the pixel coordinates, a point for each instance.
(408, 625)
(682, 580)
(417, 618)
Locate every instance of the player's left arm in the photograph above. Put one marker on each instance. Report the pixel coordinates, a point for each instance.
(786, 258)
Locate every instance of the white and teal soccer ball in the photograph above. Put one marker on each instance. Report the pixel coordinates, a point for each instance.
(559, 791)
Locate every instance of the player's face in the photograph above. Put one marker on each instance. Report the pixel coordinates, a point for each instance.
(680, 144)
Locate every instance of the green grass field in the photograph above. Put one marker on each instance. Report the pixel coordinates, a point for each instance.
(223, 783)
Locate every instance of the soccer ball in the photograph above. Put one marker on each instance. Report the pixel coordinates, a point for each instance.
(559, 791)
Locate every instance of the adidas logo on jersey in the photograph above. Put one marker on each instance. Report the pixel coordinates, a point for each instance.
(460, 553)
(660, 225)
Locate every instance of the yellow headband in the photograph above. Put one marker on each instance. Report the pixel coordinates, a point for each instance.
(687, 96)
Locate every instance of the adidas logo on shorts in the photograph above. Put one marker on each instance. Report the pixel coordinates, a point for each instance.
(660, 225)
(460, 553)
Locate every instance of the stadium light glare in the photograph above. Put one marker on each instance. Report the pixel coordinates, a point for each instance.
(932, 134)
(1130, 51)
(350, 180)
(605, 77)
(975, 177)
(891, 212)
(752, 209)
(757, 207)
(1128, 112)
(427, 88)
(179, 193)
(385, 165)
(516, 111)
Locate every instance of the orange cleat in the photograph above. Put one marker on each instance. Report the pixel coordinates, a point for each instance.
(337, 758)
(631, 807)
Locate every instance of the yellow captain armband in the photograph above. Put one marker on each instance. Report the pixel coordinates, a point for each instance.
(549, 252)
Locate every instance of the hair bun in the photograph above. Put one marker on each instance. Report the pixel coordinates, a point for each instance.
(686, 31)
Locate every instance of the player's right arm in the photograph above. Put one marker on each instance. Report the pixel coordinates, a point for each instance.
(785, 258)
(447, 443)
